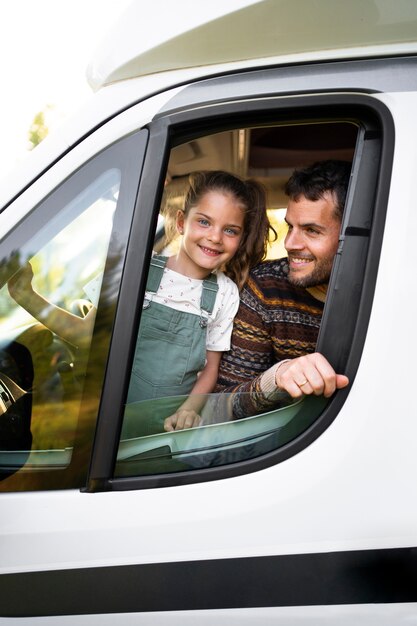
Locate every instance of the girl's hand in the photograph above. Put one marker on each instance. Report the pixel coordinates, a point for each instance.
(183, 418)
(20, 283)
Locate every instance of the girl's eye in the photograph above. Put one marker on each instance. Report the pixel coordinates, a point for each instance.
(203, 222)
(231, 231)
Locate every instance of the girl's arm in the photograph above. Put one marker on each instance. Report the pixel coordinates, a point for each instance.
(187, 415)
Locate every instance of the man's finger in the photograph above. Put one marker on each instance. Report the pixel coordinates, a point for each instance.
(341, 381)
(310, 374)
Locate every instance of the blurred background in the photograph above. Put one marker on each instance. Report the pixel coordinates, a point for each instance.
(45, 48)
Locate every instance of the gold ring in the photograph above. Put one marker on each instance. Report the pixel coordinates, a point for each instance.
(303, 383)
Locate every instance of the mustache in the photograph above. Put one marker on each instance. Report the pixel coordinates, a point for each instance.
(308, 257)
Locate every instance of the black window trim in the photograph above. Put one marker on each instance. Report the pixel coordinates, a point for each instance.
(372, 161)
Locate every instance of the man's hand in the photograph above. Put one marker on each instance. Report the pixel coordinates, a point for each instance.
(183, 418)
(307, 375)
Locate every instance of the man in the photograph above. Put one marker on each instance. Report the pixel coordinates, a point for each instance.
(276, 328)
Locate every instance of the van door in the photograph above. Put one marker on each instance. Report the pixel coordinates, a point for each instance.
(238, 519)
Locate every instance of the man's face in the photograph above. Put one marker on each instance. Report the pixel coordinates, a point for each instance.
(312, 239)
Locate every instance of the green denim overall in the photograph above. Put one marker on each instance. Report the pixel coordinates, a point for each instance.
(170, 351)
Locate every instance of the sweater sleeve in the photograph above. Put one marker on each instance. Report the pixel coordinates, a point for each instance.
(247, 370)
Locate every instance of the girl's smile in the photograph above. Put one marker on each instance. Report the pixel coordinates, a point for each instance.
(209, 251)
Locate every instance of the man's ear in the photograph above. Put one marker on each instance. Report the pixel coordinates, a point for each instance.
(180, 222)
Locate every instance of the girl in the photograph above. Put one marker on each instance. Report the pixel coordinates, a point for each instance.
(192, 297)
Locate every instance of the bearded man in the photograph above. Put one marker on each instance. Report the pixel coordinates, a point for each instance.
(276, 328)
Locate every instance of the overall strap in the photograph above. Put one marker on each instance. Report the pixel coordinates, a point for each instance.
(156, 271)
(208, 298)
(209, 293)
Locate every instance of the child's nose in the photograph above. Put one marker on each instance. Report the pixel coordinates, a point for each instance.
(215, 235)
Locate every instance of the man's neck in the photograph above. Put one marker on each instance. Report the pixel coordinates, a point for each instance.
(318, 292)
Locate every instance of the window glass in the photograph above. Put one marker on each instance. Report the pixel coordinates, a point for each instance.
(59, 283)
(217, 440)
(226, 431)
(42, 373)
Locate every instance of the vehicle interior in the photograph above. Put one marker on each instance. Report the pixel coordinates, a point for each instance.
(268, 154)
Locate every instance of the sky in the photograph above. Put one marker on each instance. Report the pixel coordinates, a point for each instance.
(45, 47)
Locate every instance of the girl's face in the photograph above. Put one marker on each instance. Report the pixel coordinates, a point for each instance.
(211, 231)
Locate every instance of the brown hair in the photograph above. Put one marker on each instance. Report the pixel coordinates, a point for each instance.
(323, 176)
(256, 227)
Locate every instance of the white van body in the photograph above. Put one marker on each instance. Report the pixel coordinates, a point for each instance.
(321, 530)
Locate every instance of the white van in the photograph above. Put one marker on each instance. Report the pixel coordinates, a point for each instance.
(303, 515)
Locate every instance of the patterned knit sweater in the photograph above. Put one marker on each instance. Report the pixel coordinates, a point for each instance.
(275, 321)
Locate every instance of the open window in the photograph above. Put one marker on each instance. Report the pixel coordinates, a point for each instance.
(268, 146)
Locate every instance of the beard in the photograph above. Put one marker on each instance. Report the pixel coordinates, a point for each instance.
(319, 275)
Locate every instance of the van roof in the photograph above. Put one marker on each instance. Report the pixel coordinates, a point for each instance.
(182, 34)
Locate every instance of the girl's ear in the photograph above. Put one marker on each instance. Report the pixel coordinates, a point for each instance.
(180, 222)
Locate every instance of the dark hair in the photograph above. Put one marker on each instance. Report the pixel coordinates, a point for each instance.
(256, 227)
(313, 182)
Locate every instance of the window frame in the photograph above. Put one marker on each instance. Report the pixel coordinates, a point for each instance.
(373, 158)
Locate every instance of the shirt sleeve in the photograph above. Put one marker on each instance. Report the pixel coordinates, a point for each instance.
(219, 330)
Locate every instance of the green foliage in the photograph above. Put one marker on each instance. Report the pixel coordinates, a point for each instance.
(38, 129)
